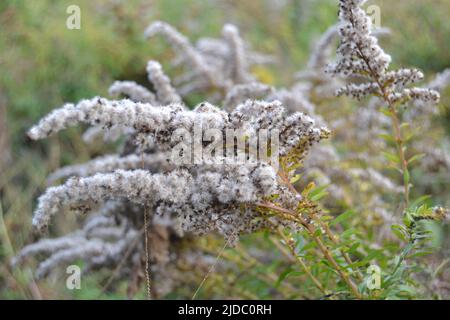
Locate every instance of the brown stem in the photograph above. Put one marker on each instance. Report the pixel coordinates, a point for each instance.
(343, 253)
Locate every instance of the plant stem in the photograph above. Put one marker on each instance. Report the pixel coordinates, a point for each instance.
(248, 262)
(323, 225)
(343, 253)
(326, 252)
(4, 237)
(302, 263)
(400, 149)
(395, 122)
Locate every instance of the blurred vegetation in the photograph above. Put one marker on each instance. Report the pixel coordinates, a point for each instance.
(43, 64)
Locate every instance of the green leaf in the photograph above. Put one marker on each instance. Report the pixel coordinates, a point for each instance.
(286, 273)
(386, 112)
(318, 193)
(353, 248)
(299, 244)
(342, 217)
(387, 137)
(406, 289)
(283, 275)
(294, 166)
(416, 157)
(399, 231)
(347, 233)
(421, 253)
(319, 196)
(391, 157)
(419, 201)
(318, 232)
(308, 189)
(372, 254)
(408, 137)
(406, 177)
(295, 178)
(404, 125)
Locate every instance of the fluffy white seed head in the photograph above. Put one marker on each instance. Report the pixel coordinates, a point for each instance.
(133, 91)
(237, 63)
(165, 92)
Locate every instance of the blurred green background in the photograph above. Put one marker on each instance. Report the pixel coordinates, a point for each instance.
(43, 64)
